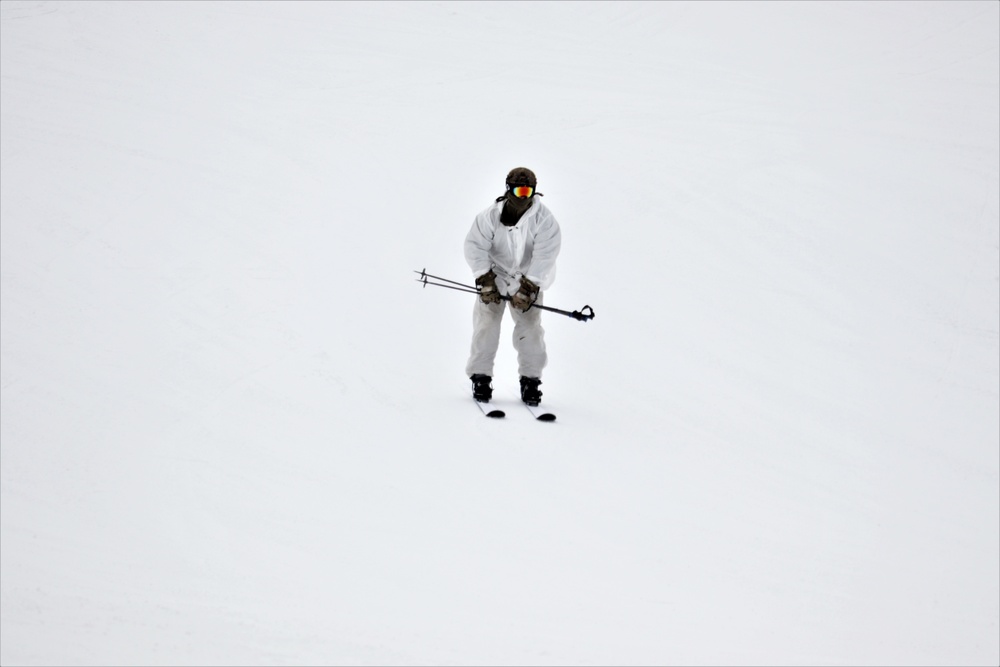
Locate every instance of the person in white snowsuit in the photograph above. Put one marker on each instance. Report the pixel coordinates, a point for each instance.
(512, 250)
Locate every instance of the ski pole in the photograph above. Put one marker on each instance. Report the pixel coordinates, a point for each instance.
(424, 276)
(585, 314)
(461, 287)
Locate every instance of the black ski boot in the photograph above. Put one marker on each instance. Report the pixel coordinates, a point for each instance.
(530, 393)
(482, 387)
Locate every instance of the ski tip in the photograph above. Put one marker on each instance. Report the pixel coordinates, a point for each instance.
(496, 414)
(547, 417)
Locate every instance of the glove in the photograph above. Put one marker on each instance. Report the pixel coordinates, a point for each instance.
(487, 285)
(525, 296)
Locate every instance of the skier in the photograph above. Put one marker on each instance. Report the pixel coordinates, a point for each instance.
(512, 250)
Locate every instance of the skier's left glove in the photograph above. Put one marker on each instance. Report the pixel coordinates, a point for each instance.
(525, 296)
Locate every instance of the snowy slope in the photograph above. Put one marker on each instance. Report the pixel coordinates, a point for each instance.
(235, 431)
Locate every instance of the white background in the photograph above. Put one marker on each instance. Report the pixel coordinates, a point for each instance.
(235, 431)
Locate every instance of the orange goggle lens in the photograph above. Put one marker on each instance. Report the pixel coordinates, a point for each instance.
(522, 190)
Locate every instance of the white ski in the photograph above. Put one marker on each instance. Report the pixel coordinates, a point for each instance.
(490, 411)
(540, 413)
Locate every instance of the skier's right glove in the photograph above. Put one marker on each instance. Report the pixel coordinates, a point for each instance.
(487, 284)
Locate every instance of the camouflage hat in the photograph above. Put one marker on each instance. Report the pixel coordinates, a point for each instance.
(522, 176)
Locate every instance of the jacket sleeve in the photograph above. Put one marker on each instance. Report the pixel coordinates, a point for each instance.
(478, 243)
(548, 241)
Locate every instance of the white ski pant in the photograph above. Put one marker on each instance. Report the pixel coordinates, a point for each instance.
(529, 338)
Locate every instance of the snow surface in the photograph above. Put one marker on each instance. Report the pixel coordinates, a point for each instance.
(235, 431)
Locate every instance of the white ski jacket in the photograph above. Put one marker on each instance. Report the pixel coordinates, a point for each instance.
(527, 249)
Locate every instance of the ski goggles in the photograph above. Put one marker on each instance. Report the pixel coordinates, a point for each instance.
(522, 190)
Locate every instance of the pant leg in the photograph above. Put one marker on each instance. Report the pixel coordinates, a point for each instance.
(486, 320)
(529, 341)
